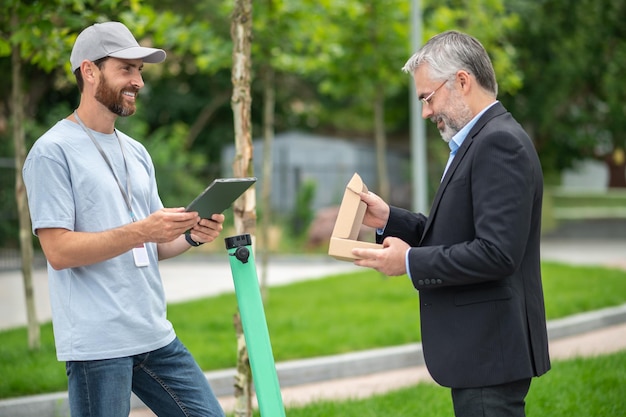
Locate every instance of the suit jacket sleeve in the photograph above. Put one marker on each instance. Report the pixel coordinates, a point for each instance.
(405, 225)
(479, 229)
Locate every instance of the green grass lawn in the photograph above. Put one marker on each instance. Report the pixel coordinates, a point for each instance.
(589, 387)
(337, 314)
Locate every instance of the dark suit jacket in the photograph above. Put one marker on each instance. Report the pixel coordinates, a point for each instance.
(475, 260)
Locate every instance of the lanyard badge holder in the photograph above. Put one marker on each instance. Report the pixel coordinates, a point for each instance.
(255, 326)
(140, 253)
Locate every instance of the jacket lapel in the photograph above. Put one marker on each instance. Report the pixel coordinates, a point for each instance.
(495, 110)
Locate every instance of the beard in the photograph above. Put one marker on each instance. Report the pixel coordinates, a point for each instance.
(457, 116)
(114, 100)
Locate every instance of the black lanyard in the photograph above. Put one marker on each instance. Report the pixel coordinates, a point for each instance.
(127, 194)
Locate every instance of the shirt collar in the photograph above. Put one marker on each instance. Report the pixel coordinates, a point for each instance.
(457, 140)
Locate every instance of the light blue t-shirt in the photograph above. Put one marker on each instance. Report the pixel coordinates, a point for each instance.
(113, 308)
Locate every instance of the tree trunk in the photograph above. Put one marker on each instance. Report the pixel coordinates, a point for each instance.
(381, 144)
(243, 379)
(269, 99)
(244, 208)
(26, 243)
(241, 103)
(616, 165)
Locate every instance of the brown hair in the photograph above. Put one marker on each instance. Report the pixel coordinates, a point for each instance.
(79, 77)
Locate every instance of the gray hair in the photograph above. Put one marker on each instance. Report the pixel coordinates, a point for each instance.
(449, 52)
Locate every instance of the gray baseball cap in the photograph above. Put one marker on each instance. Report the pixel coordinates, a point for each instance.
(111, 39)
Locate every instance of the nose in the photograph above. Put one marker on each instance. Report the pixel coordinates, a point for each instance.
(137, 80)
(427, 112)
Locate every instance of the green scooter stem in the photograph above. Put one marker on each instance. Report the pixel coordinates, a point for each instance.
(255, 326)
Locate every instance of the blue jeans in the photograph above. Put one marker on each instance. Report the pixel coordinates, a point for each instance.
(168, 380)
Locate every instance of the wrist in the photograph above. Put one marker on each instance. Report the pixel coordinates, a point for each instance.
(191, 241)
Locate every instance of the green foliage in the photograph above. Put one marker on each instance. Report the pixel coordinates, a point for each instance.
(303, 211)
(572, 55)
(342, 39)
(349, 37)
(45, 31)
(331, 58)
(489, 21)
(197, 44)
(180, 175)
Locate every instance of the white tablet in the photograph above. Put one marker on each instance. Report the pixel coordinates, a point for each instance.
(219, 195)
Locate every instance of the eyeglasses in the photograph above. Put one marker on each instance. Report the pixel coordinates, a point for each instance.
(429, 98)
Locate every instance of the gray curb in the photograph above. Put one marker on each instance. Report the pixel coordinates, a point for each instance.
(306, 371)
(585, 322)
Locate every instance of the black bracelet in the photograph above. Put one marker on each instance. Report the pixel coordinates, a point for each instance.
(191, 241)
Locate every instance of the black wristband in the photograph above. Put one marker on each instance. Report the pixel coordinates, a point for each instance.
(191, 241)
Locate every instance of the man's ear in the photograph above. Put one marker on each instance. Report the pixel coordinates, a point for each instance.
(464, 79)
(87, 69)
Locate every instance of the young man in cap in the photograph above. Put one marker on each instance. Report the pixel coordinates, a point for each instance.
(96, 209)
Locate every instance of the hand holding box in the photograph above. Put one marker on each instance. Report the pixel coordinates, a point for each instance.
(348, 223)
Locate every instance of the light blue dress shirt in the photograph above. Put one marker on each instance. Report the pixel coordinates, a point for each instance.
(454, 144)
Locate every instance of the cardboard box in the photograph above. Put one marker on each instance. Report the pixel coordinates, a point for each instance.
(348, 223)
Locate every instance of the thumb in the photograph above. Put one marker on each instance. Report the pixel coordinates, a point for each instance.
(368, 197)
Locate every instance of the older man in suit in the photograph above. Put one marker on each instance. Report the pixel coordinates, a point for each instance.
(475, 258)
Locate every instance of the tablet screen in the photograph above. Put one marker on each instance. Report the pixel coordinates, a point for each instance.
(219, 195)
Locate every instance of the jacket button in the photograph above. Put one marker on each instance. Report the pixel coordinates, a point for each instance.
(439, 281)
(427, 282)
(420, 282)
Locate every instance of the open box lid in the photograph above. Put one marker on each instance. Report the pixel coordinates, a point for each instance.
(351, 211)
(348, 223)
